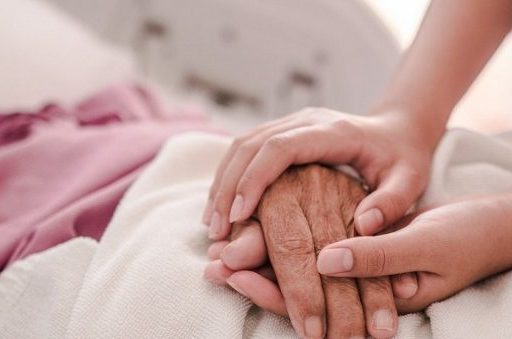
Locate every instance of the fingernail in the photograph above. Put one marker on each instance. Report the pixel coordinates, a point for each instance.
(383, 320)
(335, 260)
(370, 221)
(208, 277)
(404, 285)
(207, 214)
(230, 255)
(216, 249)
(409, 290)
(314, 327)
(236, 287)
(215, 226)
(236, 209)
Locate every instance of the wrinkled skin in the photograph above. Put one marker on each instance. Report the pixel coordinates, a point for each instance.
(306, 209)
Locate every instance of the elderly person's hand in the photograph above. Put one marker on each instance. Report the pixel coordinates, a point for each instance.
(300, 213)
(450, 247)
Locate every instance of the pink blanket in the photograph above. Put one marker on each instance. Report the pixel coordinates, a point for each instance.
(63, 171)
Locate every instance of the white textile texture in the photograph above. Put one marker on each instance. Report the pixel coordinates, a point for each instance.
(144, 278)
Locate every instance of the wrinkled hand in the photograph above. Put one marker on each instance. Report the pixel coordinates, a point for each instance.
(450, 247)
(305, 209)
(391, 154)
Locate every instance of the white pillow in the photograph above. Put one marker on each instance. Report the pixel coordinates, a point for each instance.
(45, 55)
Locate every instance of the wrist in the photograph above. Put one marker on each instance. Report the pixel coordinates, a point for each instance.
(422, 126)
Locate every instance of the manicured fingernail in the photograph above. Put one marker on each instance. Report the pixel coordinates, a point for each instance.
(370, 221)
(237, 208)
(215, 226)
(383, 320)
(236, 287)
(314, 327)
(207, 214)
(335, 260)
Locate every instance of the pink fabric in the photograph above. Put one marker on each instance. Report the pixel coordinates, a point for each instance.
(63, 171)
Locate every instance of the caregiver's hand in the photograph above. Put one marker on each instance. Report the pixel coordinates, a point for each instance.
(390, 151)
(301, 212)
(450, 247)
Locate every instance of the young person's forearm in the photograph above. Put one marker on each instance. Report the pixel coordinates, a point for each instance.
(455, 41)
(500, 239)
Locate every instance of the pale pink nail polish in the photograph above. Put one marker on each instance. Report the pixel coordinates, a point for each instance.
(335, 260)
(370, 221)
(236, 208)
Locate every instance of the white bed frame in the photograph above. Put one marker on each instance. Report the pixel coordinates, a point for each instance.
(271, 56)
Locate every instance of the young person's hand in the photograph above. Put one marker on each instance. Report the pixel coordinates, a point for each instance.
(391, 151)
(449, 248)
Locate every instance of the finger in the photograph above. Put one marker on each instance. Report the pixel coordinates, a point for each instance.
(324, 209)
(390, 201)
(247, 249)
(292, 255)
(431, 288)
(405, 285)
(208, 211)
(217, 273)
(379, 307)
(215, 249)
(403, 251)
(224, 200)
(260, 290)
(207, 214)
(297, 146)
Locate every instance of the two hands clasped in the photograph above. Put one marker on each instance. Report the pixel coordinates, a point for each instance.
(308, 242)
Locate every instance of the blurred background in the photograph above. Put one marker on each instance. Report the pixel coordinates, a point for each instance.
(242, 62)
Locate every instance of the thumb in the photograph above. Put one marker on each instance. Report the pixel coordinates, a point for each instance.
(393, 253)
(391, 201)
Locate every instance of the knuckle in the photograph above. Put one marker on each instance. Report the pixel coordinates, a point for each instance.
(246, 147)
(414, 174)
(212, 192)
(238, 142)
(342, 124)
(247, 180)
(307, 111)
(376, 287)
(300, 294)
(343, 286)
(396, 204)
(277, 143)
(293, 246)
(375, 262)
(223, 199)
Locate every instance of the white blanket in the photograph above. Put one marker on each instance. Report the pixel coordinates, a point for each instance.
(144, 278)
